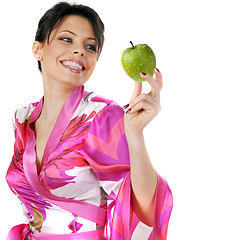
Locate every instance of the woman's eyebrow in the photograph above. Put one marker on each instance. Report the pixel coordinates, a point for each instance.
(93, 39)
(69, 32)
(90, 38)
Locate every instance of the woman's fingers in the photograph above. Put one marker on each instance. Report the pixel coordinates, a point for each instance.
(140, 100)
(141, 105)
(159, 80)
(143, 101)
(137, 90)
(156, 84)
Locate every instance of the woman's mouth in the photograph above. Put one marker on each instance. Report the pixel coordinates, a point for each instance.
(73, 66)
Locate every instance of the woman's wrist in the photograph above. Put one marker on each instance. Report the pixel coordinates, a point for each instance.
(135, 139)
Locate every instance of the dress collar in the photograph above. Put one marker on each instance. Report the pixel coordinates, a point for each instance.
(63, 119)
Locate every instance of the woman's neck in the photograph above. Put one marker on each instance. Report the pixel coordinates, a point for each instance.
(54, 99)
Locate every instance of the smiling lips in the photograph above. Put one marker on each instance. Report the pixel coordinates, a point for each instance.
(73, 65)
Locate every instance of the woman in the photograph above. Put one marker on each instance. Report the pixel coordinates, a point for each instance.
(80, 166)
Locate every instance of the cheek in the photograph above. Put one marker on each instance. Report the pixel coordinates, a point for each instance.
(52, 51)
(92, 63)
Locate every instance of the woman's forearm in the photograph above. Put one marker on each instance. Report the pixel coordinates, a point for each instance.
(143, 179)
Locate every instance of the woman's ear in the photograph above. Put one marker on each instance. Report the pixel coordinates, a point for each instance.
(36, 49)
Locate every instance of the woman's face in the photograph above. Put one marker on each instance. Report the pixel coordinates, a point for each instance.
(71, 54)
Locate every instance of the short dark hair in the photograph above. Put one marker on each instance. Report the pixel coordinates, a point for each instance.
(55, 15)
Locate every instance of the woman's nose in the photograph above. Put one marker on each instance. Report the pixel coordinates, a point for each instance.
(79, 51)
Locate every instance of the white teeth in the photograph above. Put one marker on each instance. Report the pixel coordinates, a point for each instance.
(72, 65)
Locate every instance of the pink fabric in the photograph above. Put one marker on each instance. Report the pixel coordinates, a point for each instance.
(23, 232)
(79, 208)
(94, 137)
(19, 232)
(91, 235)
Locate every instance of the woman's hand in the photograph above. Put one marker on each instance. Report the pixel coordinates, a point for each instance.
(143, 107)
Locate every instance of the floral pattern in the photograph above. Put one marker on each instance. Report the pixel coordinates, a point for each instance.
(89, 164)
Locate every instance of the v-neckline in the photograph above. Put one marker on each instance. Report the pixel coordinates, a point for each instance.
(78, 208)
(63, 119)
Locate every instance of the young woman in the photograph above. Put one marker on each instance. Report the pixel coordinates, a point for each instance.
(80, 166)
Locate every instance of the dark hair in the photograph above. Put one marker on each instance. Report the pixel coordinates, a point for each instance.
(55, 15)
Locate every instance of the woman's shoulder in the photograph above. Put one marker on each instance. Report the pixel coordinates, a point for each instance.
(93, 102)
(24, 113)
(95, 98)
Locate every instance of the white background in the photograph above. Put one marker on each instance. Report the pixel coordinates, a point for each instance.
(194, 142)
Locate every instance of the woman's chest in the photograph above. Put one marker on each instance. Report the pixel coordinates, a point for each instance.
(42, 134)
(52, 142)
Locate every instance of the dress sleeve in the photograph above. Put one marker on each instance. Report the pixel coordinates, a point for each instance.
(106, 150)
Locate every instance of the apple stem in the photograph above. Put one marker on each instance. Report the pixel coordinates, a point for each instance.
(132, 44)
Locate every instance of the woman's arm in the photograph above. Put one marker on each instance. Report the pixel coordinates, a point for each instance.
(141, 110)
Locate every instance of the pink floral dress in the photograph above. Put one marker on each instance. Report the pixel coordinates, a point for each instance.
(83, 190)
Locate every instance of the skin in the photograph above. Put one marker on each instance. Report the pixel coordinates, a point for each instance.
(74, 38)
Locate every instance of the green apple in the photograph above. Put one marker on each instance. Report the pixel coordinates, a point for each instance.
(137, 59)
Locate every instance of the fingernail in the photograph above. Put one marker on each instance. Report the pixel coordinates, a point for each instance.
(157, 69)
(129, 110)
(126, 106)
(143, 73)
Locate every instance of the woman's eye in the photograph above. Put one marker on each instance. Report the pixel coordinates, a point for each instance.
(68, 40)
(91, 47)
